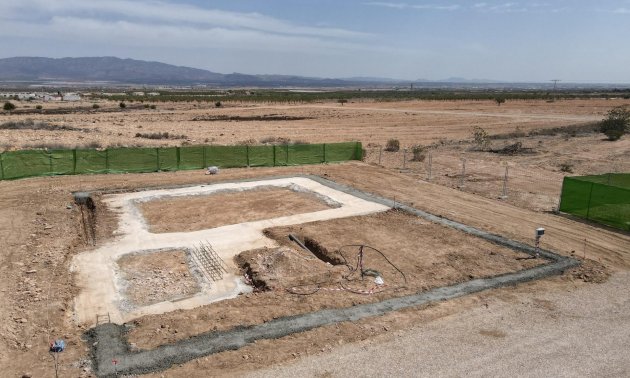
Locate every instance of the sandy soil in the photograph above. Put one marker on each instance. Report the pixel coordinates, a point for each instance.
(29, 206)
(203, 212)
(40, 230)
(157, 276)
(411, 122)
(584, 332)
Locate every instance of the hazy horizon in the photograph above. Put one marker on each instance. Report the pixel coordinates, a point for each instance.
(518, 41)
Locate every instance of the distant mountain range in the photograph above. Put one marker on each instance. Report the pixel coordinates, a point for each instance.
(112, 71)
(130, 71)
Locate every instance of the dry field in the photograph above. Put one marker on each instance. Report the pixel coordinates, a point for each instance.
(40, 229)
(411, 122)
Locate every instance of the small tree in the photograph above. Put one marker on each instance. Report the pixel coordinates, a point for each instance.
(392, 145)
(8, 106)
(342, 101)
(499, 100)
(617, 123)
(122, 105)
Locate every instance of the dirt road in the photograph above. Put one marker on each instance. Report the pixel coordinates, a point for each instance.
(582, 333)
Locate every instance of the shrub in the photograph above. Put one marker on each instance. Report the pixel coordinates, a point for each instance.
(8, 106)
(122, 105)
(616, 124)
(480, 138)
(566, 167)
(419, 153)
(95, 106)
(164, 135)
(392, 145)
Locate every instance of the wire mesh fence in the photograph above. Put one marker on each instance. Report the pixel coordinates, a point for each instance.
(528, 183)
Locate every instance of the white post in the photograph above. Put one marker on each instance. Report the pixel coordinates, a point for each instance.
(461, 182)
(504, 195)
(430, 165)
(404, 159)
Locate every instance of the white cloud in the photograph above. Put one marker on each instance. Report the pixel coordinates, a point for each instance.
(165, 13)
(436, 7)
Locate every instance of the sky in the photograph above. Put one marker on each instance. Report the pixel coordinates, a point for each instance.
(512, 41)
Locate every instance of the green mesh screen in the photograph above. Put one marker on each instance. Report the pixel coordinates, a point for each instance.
(62, 162)
(18, 164)
(591, 197)
(28, 163)
(132, 160)
(167, 158)
(300, 154)
(192, 157)
(91, 161)
(261, 156)
(226, 156)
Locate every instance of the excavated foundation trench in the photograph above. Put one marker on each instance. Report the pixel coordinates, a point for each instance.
(109, 342)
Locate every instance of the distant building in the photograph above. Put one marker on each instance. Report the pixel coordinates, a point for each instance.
(70, 97)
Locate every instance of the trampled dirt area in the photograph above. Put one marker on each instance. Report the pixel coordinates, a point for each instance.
(40, 229)
(208, 211)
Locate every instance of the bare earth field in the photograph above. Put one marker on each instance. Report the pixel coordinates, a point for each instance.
(411, 122)
(40, 232)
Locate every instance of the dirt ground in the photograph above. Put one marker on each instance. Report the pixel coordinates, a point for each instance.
(36, 222)
(202, 212)
(412, 122)
(157, 276)
(40, 229)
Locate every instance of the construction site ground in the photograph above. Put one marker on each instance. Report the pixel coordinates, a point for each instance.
(38, 290)
(40, 232)
(191, 213)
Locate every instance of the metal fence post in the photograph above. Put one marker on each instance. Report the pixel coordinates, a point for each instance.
(462, 178)
(588, 207)
(430, 166)
(404, 159)
(178, 154)
(504, 194)
(74, 161)
(107, 160)
(50, 161)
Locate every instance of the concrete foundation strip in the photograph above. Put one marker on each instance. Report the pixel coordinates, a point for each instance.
(108, 340)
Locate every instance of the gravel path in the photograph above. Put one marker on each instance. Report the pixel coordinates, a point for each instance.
(581, 333)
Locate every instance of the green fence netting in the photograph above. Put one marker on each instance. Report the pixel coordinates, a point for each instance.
(602, 198)
(30, 163)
